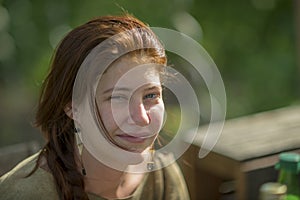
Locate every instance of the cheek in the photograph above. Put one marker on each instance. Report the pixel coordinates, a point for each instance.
(107, 117)
(157, 116)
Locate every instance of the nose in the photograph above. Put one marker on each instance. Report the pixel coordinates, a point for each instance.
(138, 114)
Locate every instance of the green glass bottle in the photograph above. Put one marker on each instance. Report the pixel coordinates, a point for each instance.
(289, 171)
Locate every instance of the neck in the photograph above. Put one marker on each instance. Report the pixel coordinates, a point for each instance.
(98, 172)
(105, 181)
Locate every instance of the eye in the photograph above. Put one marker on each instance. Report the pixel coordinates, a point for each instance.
(118, 98)
(151, 96)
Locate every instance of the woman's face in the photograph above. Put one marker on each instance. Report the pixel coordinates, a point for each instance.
(129, 100)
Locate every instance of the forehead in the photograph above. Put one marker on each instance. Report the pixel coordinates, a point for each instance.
(131, 72)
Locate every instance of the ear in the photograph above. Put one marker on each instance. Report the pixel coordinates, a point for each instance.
(68, 110)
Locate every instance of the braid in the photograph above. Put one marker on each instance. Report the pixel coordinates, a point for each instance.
(61, 161)
(60, 155)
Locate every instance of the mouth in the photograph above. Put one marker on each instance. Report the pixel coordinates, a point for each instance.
(134, 139)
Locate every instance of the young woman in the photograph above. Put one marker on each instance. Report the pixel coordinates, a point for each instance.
(101, 110)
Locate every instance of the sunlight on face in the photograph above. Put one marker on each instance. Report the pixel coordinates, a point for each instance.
(129, 99)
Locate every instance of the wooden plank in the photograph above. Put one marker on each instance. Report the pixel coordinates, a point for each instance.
(221, 166)
(258, 135)
(187, 163)
(263, 162)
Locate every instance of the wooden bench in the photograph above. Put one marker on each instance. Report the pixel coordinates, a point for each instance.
(244, 155)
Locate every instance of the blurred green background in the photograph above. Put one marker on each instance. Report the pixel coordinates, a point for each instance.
(253, 43)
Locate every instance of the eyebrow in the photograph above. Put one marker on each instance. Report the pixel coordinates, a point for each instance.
(116, 89)
(153, 87)
(127, 89)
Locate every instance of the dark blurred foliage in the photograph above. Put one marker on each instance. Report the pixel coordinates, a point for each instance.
(251, 41)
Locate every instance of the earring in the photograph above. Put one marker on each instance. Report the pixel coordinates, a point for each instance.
(83, 170)
(150, 164)
(80, 147)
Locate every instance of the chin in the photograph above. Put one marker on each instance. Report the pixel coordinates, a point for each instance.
(135, 148)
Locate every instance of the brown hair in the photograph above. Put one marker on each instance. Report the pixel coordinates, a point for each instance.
(58, 128)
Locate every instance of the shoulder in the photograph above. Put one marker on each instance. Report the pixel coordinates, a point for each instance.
(16, 184)
(169, 167)
(173, 179)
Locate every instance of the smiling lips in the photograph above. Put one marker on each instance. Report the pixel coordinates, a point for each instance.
(134, 139)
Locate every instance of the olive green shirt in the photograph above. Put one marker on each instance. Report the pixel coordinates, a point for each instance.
(164, 184)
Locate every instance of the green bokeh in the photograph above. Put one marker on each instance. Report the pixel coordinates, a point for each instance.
(252, 43)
